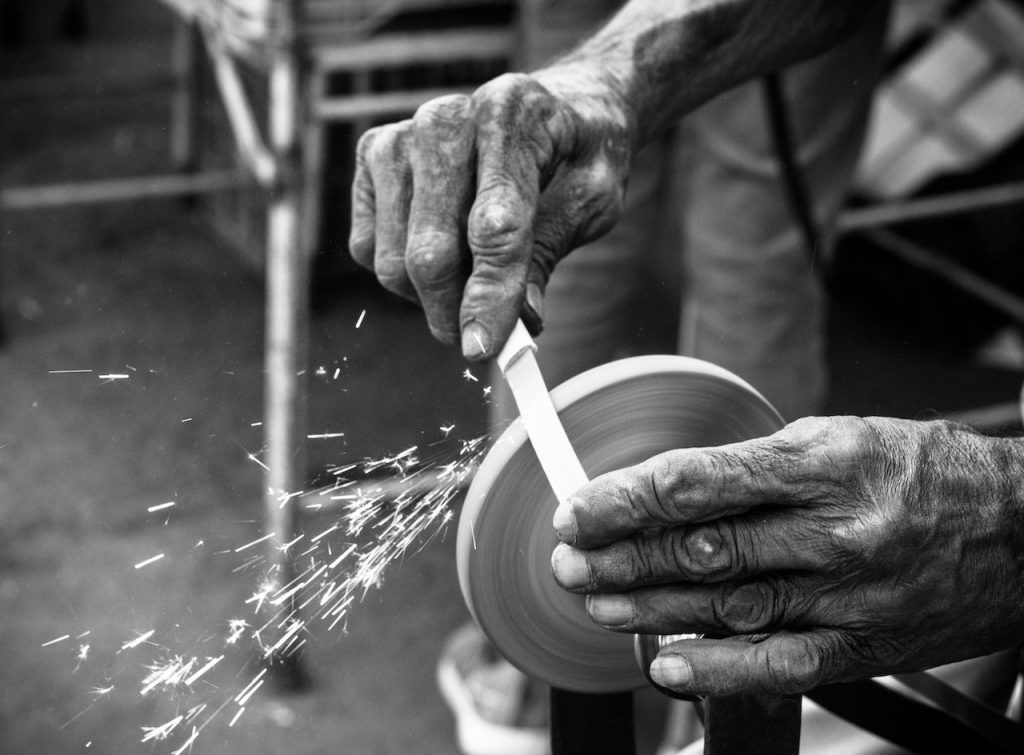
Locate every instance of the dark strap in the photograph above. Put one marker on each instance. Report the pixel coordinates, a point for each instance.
(919, 726)
(583, 724)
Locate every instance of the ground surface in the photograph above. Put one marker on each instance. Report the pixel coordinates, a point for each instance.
(144, 290)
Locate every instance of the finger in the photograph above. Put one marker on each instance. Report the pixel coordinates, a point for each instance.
(391, 173)
(729, 609)
(364, 205)
(716, 551)
(693, 485)
(500, 226)
(783, 663)
(437, 257)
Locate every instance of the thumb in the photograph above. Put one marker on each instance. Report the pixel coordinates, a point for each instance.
(781, 663)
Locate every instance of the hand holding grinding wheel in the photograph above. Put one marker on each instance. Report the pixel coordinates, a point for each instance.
(614, 415)
(836, 549)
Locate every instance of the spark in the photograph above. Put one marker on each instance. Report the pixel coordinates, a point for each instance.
(361, 316)
(469, 375)
(195, 711)
(137, 641)
(255, 424)
(252, 457)
(114, 376)
(235, 628)
(170, 674)
(187, 419)
(286, 546)
(487, 390)
(325, 436)
(188, 742)
(261, 595)
(378, 522)
(327, 531)
(67, 372)
(337, 371)
(209, 665)
(257, 541)
(55, 640)
(149, 561)
(252, 686)
(163, 730)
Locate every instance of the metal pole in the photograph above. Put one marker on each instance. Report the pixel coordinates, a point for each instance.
(286, 337)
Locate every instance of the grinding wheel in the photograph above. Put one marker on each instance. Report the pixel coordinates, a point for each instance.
(615, 415)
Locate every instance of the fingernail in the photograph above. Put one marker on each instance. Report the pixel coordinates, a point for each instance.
(475, 341)
(565, 523)
(535, 300)
(570, 567)
(610, 610)
(671, 671)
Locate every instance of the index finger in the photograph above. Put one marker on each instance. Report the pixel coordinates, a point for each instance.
(512, 150)
(677, 487)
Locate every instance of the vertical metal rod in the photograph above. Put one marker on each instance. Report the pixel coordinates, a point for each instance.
(286, 331)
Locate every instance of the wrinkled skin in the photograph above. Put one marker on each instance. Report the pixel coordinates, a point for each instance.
(835, 549)
(468, 206)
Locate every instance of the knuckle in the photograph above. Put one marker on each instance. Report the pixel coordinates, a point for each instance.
(497, 230)
(750, 606)
(709, 551)
(640, 561)
(365, 144)
(431, 262)
(442, 115)
(504, 88)
(659, 478)
(390, 271)
(800, 668)
(385, 145)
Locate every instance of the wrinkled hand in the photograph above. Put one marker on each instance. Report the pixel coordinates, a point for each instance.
(835, 549)
(468, 206)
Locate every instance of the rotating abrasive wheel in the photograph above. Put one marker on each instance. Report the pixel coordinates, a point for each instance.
(615, 415)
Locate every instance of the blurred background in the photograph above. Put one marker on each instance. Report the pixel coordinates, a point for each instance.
(133, 256)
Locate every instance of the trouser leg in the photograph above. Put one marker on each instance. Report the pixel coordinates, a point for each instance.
(754, 301)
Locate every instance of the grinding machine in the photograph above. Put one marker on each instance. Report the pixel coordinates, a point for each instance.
(607, 418)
